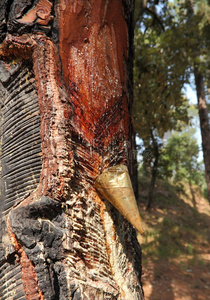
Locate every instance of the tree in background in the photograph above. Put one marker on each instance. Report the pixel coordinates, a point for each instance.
(158, 82)
(198, 20)
(167, 41)
(179, 160)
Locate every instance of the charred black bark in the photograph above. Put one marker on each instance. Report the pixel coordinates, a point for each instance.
(20, 159)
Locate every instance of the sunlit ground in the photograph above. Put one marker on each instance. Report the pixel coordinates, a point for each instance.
(175, 246)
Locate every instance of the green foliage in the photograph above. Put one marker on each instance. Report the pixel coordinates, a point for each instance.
(158, 81)
(194, 19)
(170, 39)
(164, 61)
(179, 160)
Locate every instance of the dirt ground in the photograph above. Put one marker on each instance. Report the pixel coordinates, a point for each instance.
(176, 247)
(166, 281)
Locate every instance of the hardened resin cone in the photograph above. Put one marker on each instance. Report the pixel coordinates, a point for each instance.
(114, 185)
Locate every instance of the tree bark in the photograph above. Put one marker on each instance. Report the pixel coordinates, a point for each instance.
(202, 105)
(154, 171)
(204, 124)
(66, 85)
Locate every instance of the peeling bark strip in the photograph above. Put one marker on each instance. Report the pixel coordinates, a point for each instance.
(70, 243)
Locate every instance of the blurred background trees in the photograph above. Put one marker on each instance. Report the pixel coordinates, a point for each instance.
(172, 40)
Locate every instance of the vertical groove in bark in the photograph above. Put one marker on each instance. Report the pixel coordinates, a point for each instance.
(204, 124)
(93, 58)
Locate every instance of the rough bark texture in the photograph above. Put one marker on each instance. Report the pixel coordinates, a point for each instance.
(204, 124)
(59, 239)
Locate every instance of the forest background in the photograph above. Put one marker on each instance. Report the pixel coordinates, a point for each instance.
(172, 44)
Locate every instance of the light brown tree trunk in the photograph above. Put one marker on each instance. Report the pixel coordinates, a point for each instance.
(204, 124)
(66, 81)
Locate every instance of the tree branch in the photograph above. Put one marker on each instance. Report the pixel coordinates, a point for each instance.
(144, 8)
(155, 18)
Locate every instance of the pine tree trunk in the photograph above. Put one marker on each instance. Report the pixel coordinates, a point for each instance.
(204, 124)
(202, 106)
(154, 171)
(66, 90)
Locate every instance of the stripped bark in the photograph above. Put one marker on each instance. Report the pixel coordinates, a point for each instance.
(62, 241)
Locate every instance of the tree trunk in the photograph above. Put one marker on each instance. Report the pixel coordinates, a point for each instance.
(154, 171)
(202, 106)
(66, 89)
(204, 124)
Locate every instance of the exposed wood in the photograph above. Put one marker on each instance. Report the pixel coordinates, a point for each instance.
(71, 243)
